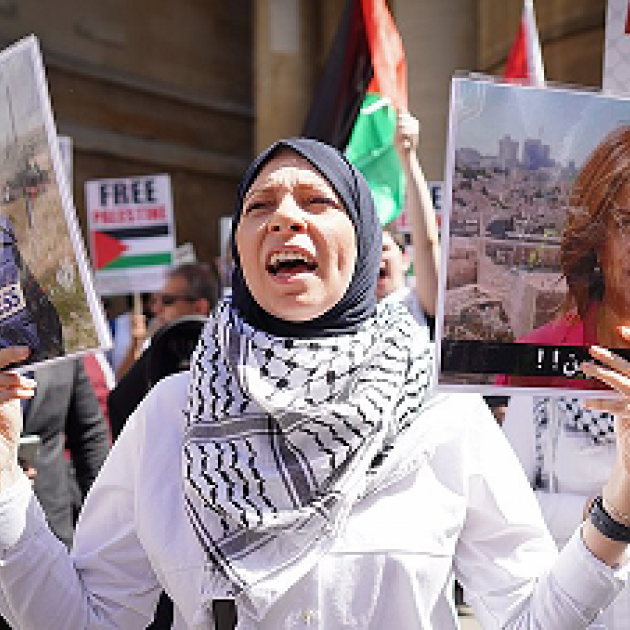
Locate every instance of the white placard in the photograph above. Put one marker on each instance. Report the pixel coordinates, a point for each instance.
(185, 254)
(48, 302)
(506, 321)
(131, 231)
(617, 48)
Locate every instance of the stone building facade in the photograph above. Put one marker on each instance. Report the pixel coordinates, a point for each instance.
(194, 88)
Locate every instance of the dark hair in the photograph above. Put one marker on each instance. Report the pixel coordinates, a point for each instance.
(592, 199)
(200, 279)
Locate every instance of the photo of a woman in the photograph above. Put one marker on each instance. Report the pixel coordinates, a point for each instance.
(535, 236)
(594, 258)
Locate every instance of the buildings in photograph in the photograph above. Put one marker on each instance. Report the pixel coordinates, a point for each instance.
(506, 224)
(508, 152)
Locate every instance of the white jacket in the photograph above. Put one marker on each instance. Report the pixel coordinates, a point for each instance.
(465, 507)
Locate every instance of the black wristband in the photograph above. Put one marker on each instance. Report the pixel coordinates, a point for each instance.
(606, 524)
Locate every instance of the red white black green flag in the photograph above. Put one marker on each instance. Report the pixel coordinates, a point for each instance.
(363, 85)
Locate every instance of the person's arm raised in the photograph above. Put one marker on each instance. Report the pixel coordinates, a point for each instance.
(13, 387)
(615, 372)
(424, 232)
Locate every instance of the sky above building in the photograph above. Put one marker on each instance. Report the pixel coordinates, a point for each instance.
(572, 122)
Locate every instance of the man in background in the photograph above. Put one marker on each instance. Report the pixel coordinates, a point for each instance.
(189, 289)
(66, 415)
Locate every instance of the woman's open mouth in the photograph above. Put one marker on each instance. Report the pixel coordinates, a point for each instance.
(290, 262)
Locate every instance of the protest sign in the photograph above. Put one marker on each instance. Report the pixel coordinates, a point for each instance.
(517, 241)
(65, 149)
(617, 48)
(131, 231)
(185, 254)
(47, 300)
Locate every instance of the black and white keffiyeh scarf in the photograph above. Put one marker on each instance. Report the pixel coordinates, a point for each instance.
(285, 435)
(290, 424)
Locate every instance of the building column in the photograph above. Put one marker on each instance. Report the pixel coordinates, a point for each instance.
(440, 38)
(286, 34)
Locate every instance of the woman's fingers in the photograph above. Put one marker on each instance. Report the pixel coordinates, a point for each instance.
(14, 385)
(12, 355)
(614, 406)
(613, 376)
(614, 371)
(610, 359)
(11, 394)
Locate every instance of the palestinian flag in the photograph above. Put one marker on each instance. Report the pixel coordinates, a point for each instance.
(363, 85)
(524, 63)
(132, 247)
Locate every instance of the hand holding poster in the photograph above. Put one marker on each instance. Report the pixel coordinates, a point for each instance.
(47, 301)
(535, 235)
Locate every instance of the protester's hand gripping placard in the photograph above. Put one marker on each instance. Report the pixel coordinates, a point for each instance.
(536, 235)
(47, 301)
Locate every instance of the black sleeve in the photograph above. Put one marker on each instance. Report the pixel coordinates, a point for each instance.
(128, 393)
(87, 434)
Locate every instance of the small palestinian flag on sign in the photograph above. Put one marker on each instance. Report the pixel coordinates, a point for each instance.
(363, 85)
(127, 248)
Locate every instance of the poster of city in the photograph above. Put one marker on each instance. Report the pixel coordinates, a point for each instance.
(47, 301)
(535, 233)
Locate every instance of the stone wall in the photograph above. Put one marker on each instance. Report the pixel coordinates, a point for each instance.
(150, 87)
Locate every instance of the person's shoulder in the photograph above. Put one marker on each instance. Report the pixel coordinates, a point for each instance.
(174, 386)
(167, 401)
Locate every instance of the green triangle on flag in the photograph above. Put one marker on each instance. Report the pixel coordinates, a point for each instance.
(371, 149)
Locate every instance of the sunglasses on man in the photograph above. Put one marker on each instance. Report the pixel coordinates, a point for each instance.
(168, 299)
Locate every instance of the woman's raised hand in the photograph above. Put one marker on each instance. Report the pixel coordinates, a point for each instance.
(13, 387)
(407, 134)
(615, 372)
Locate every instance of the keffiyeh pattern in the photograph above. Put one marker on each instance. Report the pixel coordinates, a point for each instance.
(571, 416)
(283, 436)
(599, 425)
